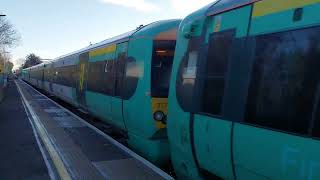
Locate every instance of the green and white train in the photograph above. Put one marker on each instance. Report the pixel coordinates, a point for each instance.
(244, 96)
(123, 81)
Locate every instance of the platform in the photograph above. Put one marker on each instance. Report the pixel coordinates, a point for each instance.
(20, 155)
(78, 150)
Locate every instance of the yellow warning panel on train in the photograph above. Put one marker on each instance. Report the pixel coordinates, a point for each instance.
(266, 7)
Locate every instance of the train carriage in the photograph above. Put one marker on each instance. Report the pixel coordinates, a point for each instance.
(244, 96)
(123, 81)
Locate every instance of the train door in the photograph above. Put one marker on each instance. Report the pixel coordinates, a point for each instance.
(37, 76)
(212, 123)
(118, 75)
(82, 80)
(42, 77)
(51, 76)
(275, 140)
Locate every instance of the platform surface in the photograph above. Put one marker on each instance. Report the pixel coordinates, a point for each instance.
(20, 156)
(77, 149)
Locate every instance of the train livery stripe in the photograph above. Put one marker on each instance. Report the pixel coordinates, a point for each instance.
(266, 7)
(103, 51)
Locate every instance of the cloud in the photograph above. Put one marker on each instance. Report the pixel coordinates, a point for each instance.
(180, 8)
(185, 7)
(140, 5)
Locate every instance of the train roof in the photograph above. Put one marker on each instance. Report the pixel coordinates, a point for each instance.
(35, 66)
(102, 43)
(226, 5)
(217, 7)
(119, 38)
(122, 37)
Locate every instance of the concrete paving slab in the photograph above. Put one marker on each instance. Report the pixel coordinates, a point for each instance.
(20, 156)
(79, 150)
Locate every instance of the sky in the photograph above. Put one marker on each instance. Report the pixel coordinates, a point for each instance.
(51, 28)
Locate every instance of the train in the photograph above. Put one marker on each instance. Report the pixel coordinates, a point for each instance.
(244, 93)
(115, 80)
(241, 97)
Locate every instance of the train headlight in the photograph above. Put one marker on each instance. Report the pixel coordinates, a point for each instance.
(159, 116)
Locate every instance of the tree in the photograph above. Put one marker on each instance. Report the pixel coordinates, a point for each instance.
(31, 60)
(5, 65)
(8, 35)
(9, 66)
(2, 60)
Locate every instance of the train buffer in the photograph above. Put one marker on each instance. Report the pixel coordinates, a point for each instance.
(78, 150)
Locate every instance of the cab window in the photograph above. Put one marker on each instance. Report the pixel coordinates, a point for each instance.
(162, 59)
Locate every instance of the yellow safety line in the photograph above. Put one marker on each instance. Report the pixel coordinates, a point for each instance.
(114, 142)
(62, 171)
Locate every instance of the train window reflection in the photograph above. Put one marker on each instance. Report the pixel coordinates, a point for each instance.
(220, 45)
(191, 69)
(284, 80)
(132, 75)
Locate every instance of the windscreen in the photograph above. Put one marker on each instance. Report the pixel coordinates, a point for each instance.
(162, 59)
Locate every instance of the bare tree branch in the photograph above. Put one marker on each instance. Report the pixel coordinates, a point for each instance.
(9, 37)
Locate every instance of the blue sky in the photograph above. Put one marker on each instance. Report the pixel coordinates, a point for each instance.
(50, 28)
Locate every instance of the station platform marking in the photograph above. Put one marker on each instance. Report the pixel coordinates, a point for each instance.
(100, 165)
(59, 165)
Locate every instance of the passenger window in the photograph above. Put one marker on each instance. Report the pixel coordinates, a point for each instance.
(119, 74)
(284, 80)
(220, 45)
(107, 77)
(191, 70)
(186, 79)
(132, 74)
(316, 115)
(106, 67)
(96, 77)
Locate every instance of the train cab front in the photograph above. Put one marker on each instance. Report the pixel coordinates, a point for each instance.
(161, 65)
(155, 48)
(162, 60)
